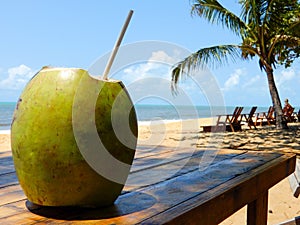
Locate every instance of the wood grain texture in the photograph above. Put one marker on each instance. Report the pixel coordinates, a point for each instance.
(165, 186)
(257, 211)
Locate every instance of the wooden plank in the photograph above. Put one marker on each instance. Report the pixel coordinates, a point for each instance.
(208, 208)
(161, 158)
(5, 153)
(6, 165)
(168, 158)
(10, 194)
(13, 209)
(125, 208)
(8, 179)
(182, 192)
(148, 151)
(192, 165)
(257, 211)
(135, 198)
(150, 160)
(152, 175)
(173, 193)
(20, 218)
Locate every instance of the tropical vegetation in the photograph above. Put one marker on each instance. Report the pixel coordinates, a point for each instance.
(269, 31)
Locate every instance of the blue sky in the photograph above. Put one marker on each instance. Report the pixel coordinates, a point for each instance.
(65, 33)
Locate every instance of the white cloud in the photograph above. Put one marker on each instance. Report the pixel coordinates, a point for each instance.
(153, 78)
(161, 56)
(17, 78)
(143, 70)
(233, 80)
(254, 81)
(284, 77)
(158, 65)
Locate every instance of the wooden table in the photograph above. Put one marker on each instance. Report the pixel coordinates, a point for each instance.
(170, 188)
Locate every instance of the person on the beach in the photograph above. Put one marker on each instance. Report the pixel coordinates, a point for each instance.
(287, 109)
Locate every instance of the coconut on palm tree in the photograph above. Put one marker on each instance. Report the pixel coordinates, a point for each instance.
(269, 31)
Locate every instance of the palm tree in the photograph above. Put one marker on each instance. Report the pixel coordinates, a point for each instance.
(269, 31)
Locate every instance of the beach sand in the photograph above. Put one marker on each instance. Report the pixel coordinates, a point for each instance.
(282, 204)
(4, 142)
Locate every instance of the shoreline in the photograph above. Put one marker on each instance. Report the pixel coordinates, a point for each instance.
(204, 120)
(5, 131)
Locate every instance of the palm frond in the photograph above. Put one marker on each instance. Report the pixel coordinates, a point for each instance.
(214, 12)
(286, 48)
(269, 29)
(253, 11)
(296, 29)
(212, 56)
(284, 41)
(280, 16)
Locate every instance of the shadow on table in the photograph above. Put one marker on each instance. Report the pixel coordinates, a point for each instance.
(123, 206)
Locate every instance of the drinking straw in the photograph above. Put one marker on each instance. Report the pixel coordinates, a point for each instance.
(116, 47)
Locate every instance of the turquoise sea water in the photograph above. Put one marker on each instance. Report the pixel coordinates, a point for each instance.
(145, 113)
(6, 114)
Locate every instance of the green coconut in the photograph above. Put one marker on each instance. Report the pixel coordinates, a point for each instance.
(73, 138)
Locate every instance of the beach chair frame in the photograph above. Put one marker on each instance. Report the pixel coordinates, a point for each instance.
(227, 122)
(232, 121)
(249, 117)
(265, 118)
(289, 116)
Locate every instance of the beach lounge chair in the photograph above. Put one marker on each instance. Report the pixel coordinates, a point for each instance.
(296, 116)
(229, 122)
(289, 116)
(248, 118)
(232, 121)
(265, 118)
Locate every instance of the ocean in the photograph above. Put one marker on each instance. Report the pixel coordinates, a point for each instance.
(145, 113)
(6, 114)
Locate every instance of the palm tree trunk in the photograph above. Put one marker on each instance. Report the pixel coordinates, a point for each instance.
(281, 123)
